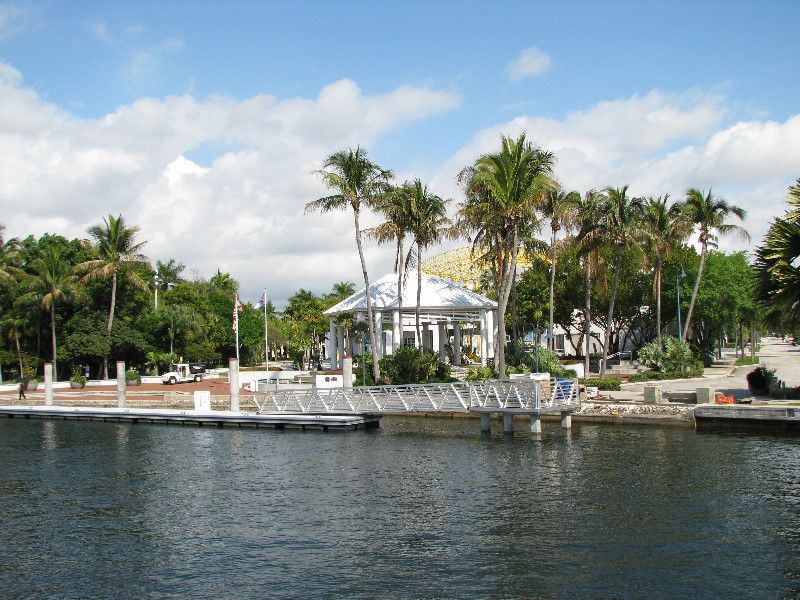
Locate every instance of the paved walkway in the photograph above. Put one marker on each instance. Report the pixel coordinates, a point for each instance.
(775, 354)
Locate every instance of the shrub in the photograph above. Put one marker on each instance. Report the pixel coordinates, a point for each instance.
(669, 357)
(758, 378)
(481, 373)
(409, 365)
(78, 379)
(131, 374)
(608, 384)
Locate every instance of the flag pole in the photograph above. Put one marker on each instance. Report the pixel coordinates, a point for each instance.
(236, 325)
(266, 335)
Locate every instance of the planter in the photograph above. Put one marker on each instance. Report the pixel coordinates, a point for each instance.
(31, 386)
(130, 382)
(76, 385)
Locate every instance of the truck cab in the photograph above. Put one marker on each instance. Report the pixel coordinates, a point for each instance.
(183, 372)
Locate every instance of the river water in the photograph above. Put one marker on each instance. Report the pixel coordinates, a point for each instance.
(422, 508)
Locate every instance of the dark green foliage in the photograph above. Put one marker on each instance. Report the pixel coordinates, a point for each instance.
(609, 384)
(409, 365)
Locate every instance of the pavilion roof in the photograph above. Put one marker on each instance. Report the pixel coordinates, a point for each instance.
(438, 297)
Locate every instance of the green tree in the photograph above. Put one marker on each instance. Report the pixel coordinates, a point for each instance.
(119, 253)
(709, 213)
(560, 209)
(428, 224)
(665, 228)
(51, 281)
(621, 223)
(358, 182)
(178, 320)
(503, 190)
(776, 264)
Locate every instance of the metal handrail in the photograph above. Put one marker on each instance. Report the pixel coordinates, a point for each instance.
(615, 355)
(433, 397)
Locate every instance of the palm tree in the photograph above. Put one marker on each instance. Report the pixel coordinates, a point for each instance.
(9, 250)
(51, 282)
(428, 224)
(558, 207)
(665, 228)
(709, 213)
(778, 276)
(590, 237)
(14, 320)
(358, 181)
(179, 319)
(622, 222)
(502, 191)
(343, 289)
(395, 205)
(118, 253)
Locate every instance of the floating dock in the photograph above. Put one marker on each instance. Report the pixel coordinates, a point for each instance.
(214, 418)
(786, 418)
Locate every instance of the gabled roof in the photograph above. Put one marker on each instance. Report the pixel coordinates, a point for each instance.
(438, 297)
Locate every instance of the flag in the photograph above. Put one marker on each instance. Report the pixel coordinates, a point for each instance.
(263, 301)
(237, 307)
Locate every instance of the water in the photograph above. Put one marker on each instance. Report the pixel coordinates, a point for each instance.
(422, 508)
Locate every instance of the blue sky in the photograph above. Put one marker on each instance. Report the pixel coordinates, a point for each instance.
(157, 110)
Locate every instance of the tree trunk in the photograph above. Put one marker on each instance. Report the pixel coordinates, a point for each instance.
(371, 322)
(587, 315)
(551, 339)
(399, 291)
(419, 296)
(606, 346)
(503, 295)
(658, 298)
(53, 330)
(19, 353)
(694, 292)
(514, 330)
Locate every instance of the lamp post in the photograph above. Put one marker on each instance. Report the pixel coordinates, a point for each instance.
(157, 281)
(536, 345)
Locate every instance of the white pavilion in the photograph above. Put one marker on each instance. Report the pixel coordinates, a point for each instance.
(447, 313)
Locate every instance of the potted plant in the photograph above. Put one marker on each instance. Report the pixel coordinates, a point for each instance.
(77, 382)
(132, 377)
(29, 379)
(758, 380)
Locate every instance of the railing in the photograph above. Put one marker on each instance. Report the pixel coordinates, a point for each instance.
(441, 397)
(620, 355)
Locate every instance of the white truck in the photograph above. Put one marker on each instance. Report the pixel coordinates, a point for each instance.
(182, 373)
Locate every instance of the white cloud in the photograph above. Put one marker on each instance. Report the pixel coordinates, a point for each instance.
(659, 143)
(242, 213)
(530, 63)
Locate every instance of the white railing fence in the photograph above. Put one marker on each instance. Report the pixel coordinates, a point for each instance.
(444, 397)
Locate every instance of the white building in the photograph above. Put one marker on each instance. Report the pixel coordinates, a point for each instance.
(449, 314)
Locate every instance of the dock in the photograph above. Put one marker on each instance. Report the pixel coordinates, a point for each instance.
(776, 418)
(214, 418)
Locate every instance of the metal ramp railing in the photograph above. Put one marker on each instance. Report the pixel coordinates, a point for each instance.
(434, 397)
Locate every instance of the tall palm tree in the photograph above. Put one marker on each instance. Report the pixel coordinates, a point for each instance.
(503, 190)
(9, 251)
(622, 221)
(589, 238)
(118, 254)
(428, 224)
(558, 207)
(358, 181)
(665, 228)
(50, 282)
(709, 213)
(395, 205)
(778, 276)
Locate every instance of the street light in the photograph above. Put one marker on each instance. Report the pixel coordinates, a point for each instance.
(157, 281)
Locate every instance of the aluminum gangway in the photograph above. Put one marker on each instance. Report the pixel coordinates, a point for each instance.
(501, 396)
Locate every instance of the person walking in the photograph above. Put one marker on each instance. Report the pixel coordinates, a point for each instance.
(22, 390)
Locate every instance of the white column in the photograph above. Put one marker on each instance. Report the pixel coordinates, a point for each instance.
(378, 316)
(442, 340)
(233, 382)
(457, 342)
(48, 384)
(121, 383)
(397, 330)
(490, 323)
(330, 343)
(339, 345)
(484, 335)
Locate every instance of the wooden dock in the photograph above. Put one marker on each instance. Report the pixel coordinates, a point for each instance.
(778, 418)
(214, 418)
